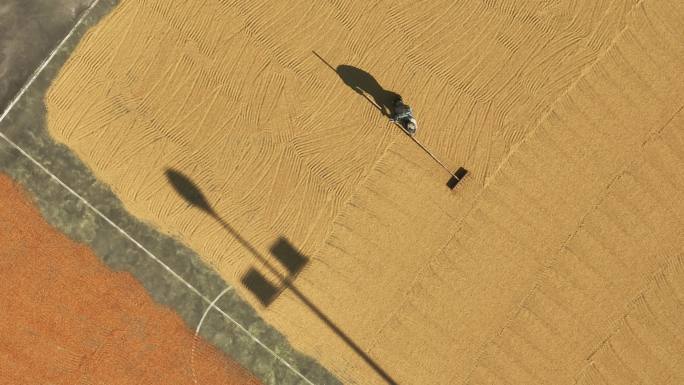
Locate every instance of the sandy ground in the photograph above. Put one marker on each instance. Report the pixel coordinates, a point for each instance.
(67, 319)
(567, 231)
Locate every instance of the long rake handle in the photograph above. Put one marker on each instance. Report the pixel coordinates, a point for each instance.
(399, 125)
(427, 151)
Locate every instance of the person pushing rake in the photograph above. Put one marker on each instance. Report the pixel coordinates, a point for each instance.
(391, 105)
(403, 115)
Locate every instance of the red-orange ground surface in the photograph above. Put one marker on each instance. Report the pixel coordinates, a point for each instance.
(66, 319)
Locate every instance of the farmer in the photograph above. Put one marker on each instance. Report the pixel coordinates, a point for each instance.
(404, 117)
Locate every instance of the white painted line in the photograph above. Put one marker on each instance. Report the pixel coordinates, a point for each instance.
(199, 325)
(211, 305)
(11, 105)
(47, 60)
(154, 257)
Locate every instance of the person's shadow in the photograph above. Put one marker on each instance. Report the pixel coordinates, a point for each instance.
(365, 84)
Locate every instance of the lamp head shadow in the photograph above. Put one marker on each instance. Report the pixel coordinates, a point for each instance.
(189, 191)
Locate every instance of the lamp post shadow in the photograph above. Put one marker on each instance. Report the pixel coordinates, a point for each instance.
(265, 291)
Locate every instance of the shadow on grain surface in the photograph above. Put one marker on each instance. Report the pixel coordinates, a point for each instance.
(365, 84)
(265, 291)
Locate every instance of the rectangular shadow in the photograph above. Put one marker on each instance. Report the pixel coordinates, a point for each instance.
(460, 174)
(286, 254)
(260, 287)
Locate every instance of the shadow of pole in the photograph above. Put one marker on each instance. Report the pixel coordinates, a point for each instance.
(287, 283)
(191, 193)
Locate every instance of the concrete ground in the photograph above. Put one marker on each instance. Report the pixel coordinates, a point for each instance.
(29, 31)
